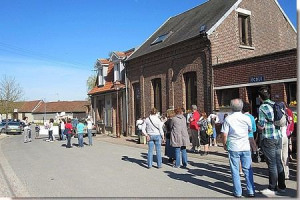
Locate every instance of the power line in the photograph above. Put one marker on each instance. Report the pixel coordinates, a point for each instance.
(40, 56)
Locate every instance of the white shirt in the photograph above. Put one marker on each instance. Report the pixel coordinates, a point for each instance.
(237, 126)
(62, 125)
(213, 116)
(139, 124)
(150, 129)
(89, 125)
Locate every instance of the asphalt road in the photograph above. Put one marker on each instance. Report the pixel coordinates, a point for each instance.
(43, 169)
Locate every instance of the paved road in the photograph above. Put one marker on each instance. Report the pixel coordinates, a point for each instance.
(43, 169)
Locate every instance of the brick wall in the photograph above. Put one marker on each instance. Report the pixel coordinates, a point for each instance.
(276, 66)
(270, 32)
(169, 65)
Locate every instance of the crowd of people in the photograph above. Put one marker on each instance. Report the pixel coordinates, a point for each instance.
(67, 130)
(178, 130)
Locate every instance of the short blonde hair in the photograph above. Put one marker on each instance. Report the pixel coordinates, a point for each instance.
(170, 113)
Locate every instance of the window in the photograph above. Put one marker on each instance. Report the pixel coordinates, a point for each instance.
(117, 72)
(156, 83)
(245, 30)
(161, 38)
(137, 100)
(291, 93)
(190, 80)
(225, 96)
(100, 77)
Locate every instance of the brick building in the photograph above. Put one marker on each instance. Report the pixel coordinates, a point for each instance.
(108, 97)
(188, 58)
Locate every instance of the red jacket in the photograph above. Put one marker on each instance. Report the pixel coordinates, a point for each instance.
(194, 119)
(69, 128)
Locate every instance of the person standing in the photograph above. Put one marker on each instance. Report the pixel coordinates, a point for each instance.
(194, 128)
(246, 111)
(139, 124)
(271, 144)
(179, 138)
(80, 131)
(69, 132)
(169, 150)
(152, 129)
(89, 130)
(213, 119)
(62, 129)
(290, 130)
(50, 131)
(235, 132)
(27, 130)
(204, 137)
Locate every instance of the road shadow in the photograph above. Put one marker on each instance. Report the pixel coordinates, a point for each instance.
(140, 162)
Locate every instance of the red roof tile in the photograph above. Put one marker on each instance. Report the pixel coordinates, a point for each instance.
(63, 106)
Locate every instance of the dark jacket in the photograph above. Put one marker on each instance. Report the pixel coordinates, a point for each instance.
(179, 134)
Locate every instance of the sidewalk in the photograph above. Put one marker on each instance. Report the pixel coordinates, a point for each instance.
(216, 153)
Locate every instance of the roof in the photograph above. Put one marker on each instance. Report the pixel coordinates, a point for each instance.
(187, 25)
(29, 106)
(109, 85)
(103, 61)
(62, 106)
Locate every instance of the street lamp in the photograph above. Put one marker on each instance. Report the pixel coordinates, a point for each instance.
(117, 88)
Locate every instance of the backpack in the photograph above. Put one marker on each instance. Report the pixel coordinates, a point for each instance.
(279, 114)
(209, 129)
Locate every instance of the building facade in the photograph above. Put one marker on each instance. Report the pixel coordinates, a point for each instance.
(196, 55)
(109, 96)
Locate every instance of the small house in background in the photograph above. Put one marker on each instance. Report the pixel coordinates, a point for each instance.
(71, 109)
(21, 109)
(109, 96)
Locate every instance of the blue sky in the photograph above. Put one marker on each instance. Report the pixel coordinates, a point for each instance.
(50, 46)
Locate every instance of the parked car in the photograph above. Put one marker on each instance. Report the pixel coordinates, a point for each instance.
(11, 127)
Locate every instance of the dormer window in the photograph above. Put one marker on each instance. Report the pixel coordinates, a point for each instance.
(117, 71)
(100, 77)
(161, 38)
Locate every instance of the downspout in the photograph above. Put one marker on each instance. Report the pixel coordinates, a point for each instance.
(126, 96)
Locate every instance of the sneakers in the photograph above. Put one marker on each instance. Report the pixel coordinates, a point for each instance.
(280, 191)
(268, 192)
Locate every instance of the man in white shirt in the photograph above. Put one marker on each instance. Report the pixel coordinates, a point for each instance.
(235, 131)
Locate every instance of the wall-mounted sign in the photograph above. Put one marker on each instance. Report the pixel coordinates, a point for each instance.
(255, 79)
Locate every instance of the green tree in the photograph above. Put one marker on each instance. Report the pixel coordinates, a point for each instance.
(91, 82)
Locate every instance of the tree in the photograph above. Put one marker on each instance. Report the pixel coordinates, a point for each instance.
(10, 92)
(91, 82)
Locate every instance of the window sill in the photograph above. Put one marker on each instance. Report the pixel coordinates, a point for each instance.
(247, 47)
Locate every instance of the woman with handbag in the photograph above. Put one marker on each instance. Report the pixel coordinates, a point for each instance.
(153, 130)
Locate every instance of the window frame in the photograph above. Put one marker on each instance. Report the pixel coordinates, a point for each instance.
(190, 83)
(244, 26)
(157, 94)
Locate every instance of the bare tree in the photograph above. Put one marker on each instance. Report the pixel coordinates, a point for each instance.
(10, 92)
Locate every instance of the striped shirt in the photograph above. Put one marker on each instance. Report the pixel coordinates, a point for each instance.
(265, 120)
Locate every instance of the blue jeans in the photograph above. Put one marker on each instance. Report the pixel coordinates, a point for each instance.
(80, 140)
(235, 157)
(272, 151)
(169, 150)
(183, 155)
(214, 135)
(90, 136)
(63, 136)
(154, 140)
